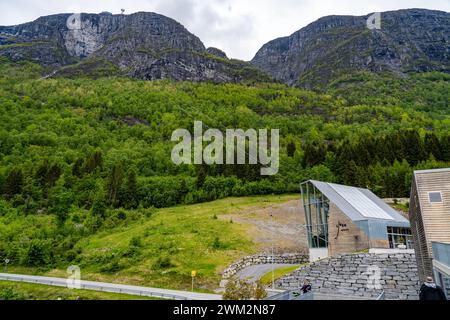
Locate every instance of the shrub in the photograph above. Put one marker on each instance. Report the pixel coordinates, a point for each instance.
(112, 267)
(162, 192)
(217, 244)
(260, 291)
(9, 293)
(240, 290)
(163, 263)
(99, 207)
(136, 241)
(244, 290)
(38, 253)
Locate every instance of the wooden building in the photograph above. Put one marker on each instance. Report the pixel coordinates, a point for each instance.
(429, 215)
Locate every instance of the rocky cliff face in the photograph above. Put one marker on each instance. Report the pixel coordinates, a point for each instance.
(408, 41)
(142, 45)
(151, 46)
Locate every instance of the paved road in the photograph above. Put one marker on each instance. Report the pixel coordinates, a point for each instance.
(254, 273)
(117, 288)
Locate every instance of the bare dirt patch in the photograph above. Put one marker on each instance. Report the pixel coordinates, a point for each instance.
(281, 226)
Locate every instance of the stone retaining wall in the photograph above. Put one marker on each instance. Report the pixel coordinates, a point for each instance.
(355, 275)
(263, 258)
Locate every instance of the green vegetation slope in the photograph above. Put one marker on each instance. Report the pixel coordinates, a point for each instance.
(82, 160)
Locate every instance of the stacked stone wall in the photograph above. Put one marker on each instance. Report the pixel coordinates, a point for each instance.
(360, 275)
(264, 258)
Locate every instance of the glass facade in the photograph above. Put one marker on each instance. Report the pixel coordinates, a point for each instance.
(441, 252)
(363, 208)
(400, 236)
(444, 282)
(316, 207)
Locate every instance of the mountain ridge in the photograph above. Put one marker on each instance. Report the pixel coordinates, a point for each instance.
(150, 46)
(142, 45)
(410, 40)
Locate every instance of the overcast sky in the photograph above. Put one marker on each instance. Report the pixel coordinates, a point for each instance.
(239, 27)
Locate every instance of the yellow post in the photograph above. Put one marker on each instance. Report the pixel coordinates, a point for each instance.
(193, 275)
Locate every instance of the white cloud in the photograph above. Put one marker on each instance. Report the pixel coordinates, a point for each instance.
(238, 27)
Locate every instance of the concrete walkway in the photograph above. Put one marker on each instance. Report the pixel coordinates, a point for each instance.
(116, 288)
(256, 272)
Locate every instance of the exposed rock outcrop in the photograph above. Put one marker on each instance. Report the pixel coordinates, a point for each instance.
(217, 52)
(141, 45)
(412, 40)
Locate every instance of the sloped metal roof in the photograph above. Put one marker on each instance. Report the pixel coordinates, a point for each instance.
(359, 204)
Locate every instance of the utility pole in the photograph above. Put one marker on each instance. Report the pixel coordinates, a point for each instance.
(6, 265)
(273, 258)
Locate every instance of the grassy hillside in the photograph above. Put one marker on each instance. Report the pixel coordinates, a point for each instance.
(162, 249)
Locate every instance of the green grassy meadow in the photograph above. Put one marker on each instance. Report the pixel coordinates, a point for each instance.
(162, 250)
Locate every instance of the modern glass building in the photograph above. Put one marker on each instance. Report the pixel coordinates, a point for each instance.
(342, 219)
(441, 265)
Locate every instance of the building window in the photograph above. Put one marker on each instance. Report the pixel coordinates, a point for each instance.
(400, 236)
(435, 197)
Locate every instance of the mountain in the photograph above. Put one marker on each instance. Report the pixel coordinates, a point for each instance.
(142, 45)
(412, 40)
(150, 46)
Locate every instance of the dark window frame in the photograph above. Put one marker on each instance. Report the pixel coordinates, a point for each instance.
(435, 193)
(396, 233)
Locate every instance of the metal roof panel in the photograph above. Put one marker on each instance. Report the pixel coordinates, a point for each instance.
(359, 204)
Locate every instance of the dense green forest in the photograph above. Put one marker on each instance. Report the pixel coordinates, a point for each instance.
(72, 151)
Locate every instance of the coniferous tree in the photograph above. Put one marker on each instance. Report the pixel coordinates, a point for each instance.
(77, 169)
(397, 147)
(53, 175)
(93, 162)
(315, 153)
(291, 149)
(201, 175)
(183, 189)
(99, 206)
(433, 146)
(131, 190)
(60, 203)
(445, 144)
(13, 183)
(47, 175)
(42, 173)
(349, 173)
(114, 183)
